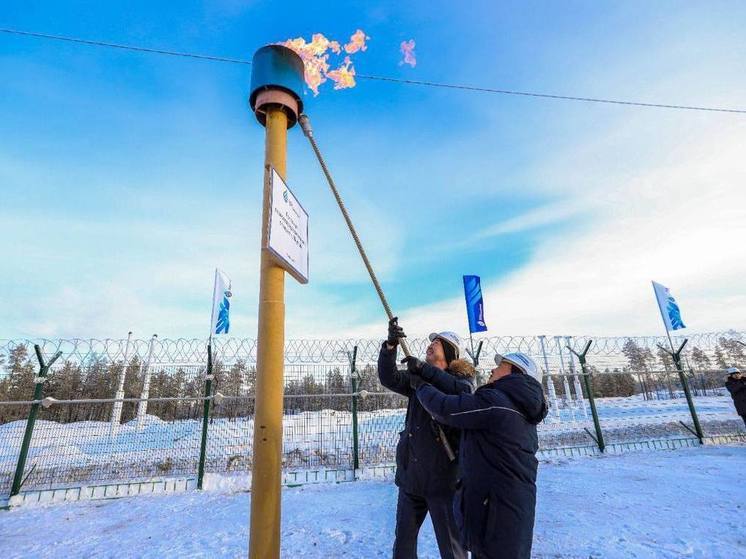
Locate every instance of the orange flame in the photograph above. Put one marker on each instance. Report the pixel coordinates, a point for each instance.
(357, 42)
(407, 49)
(344, 76)
(315, 56)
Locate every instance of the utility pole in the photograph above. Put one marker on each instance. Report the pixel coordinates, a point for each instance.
(276, 85)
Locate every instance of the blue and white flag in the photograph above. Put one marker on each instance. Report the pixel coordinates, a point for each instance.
(474, 304)
(669, 308)
(221, 305)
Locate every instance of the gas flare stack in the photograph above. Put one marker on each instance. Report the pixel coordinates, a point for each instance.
(276, 89)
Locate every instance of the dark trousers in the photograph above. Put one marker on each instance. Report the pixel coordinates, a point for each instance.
(411, 511)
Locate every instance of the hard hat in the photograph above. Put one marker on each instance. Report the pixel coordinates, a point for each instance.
(451, 338)
(522, 361)
(733, 370)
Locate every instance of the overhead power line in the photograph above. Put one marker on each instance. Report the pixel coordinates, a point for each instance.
(125, 47)
(549, 95)
(424, 83)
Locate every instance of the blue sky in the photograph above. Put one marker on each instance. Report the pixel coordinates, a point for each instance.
(126, 178)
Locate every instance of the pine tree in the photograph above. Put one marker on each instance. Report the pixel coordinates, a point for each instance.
(21, 372)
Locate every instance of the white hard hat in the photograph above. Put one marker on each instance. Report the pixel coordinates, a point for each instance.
(733, 370)
(522, 361)
(451, 338)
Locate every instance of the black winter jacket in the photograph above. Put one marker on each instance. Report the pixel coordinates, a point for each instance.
(737, 389)
(422, 465)
(496, 500)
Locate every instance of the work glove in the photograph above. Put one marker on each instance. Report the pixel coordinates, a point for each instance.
(395, 332)
(414, 365)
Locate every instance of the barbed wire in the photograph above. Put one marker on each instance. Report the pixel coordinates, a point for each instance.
(547, 350)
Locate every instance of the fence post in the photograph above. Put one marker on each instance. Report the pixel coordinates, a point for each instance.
(550, 383)
(116, 410)
(676, 355)
(353, 380)
(576, 380)
(39, 382)
(142, 405)
(205, 418)
(569, 403)
(588, 381)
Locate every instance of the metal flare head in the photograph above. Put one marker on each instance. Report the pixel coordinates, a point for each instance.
(276, 81)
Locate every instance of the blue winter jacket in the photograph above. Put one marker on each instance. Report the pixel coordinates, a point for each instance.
(422, 465)
(496, 499)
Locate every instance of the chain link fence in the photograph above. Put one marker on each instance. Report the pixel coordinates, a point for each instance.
(103, 418)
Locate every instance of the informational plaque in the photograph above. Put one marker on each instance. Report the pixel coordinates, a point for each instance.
(288, 229)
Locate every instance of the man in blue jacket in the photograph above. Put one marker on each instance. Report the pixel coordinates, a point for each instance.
(425, 474)
(496, 500)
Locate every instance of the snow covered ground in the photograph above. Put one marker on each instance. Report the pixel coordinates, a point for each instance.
(84, 452)
(684, 503)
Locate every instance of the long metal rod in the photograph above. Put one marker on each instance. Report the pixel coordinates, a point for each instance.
(308, 131)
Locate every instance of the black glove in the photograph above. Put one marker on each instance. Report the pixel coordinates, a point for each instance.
(395, 332)
(414, 365)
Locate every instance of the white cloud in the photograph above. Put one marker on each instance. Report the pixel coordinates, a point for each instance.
(538, 217)
(682, 223)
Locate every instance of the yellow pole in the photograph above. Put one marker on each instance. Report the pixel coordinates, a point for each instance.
(264, 536)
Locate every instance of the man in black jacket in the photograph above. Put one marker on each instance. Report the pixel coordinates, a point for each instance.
(736, 385)
(425, 474)
(496, 500)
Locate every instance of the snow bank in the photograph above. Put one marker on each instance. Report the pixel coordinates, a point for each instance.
(685, 503)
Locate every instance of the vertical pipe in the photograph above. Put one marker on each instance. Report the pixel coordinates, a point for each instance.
(264, 539)
(116, 410)
(355, 442)
(205, 418)
(142, 405)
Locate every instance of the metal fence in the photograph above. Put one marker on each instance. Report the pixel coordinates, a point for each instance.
(719, 349)
(100, 419)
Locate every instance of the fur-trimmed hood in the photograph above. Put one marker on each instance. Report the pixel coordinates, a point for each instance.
(462, 368)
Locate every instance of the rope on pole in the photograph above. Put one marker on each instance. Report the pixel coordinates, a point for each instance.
(305, 124)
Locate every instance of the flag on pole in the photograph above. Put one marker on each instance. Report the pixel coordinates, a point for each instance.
(670, 311)
(474, 304)
(221, 306)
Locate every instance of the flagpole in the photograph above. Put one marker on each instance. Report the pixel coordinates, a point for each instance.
(208, 391)
(663, 317)
(676, 357)
(212, 314)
